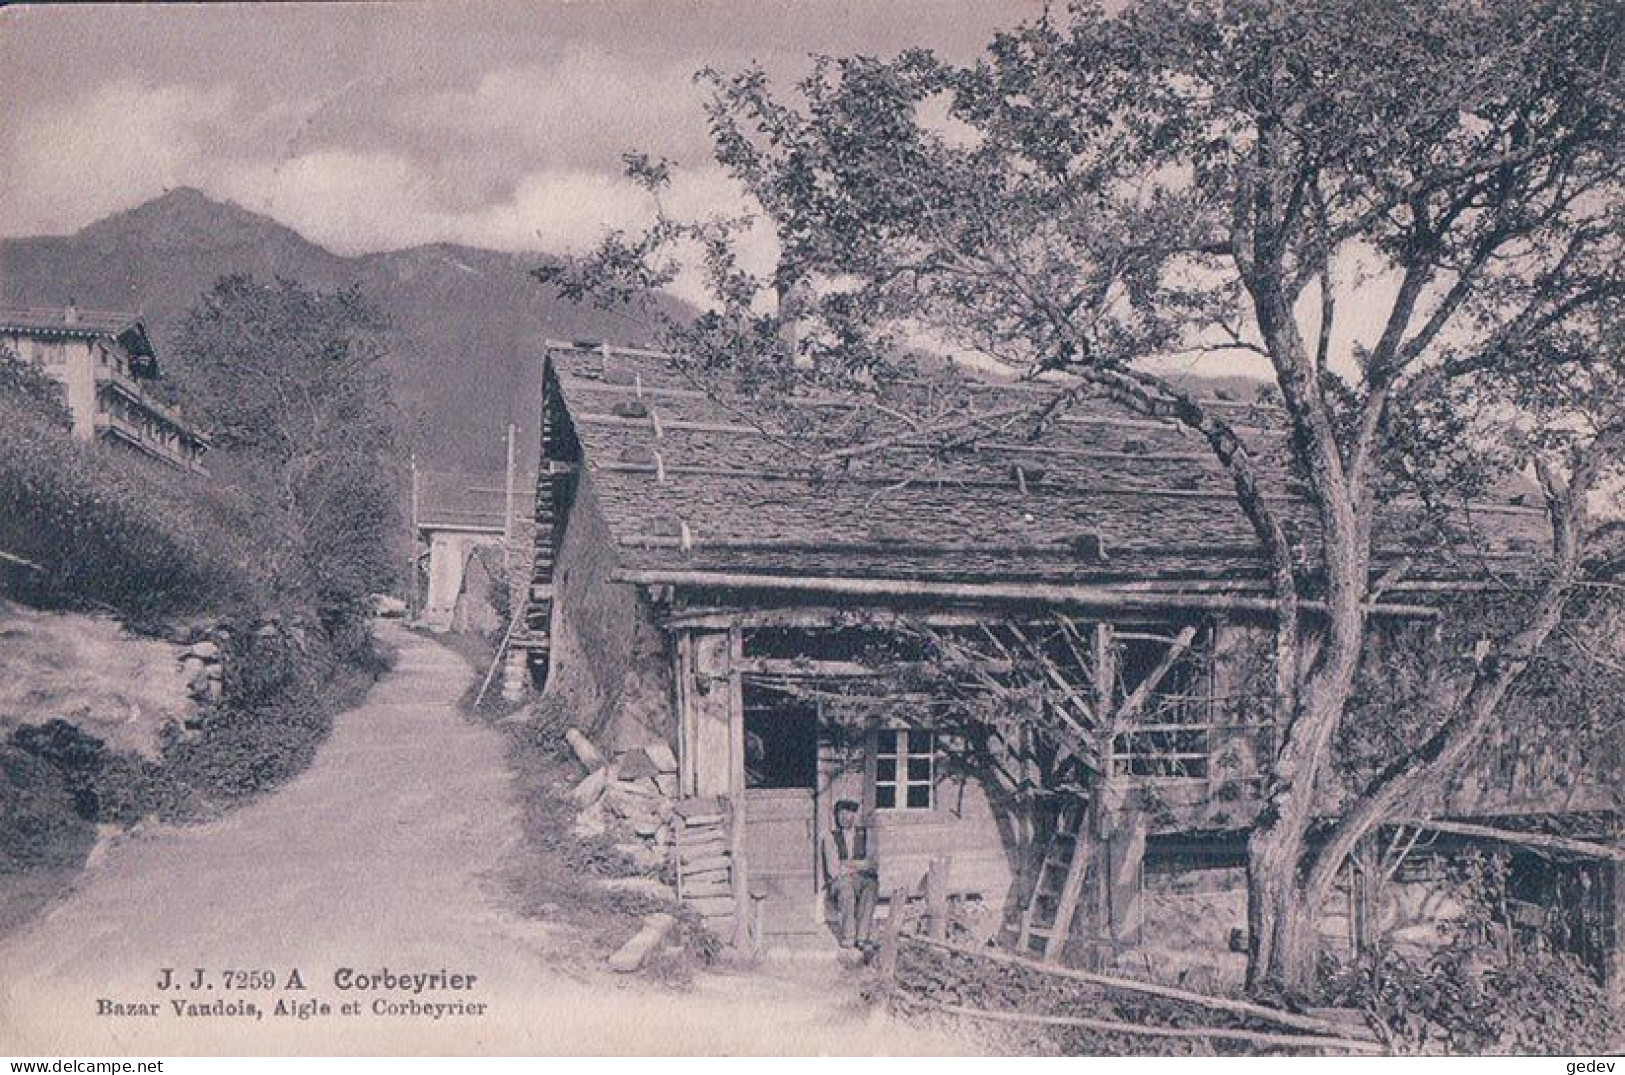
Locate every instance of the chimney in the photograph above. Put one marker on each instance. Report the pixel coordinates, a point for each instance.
(70, 316)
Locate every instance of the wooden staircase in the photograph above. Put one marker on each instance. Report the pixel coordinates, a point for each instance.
(700, 835)
(1046, 923)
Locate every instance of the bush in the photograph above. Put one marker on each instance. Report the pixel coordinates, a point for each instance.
(76, 757)
(1461, 1002)
(103, 526)
(35, 389)
(271, 717)
(39, 825)
(102, 785)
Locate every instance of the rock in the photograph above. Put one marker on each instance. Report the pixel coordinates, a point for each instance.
(643, 943)
(636, 765)
(636, 789)
(205, 650)
(666, 784)
(646, 826)
(662, 756)
(589, 822)
(590, 788)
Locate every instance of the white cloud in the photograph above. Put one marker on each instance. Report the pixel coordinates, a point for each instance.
(525, 159)
(355, 202)
(66, 164)
(581, 106)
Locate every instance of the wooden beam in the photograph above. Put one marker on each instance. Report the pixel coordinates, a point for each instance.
(1136, 701)
(1104, 654)
(1537, 840)
(1048, 487)
(736, 739)
(1028, 592)
(1054, 675)
(793, 666)
(1167, 992)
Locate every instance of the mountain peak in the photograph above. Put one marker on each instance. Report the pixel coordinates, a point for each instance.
(187, 216)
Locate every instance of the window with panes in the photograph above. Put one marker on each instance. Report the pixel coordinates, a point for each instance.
(905, 769)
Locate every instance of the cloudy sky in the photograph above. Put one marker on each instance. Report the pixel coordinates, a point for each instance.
(376, 126)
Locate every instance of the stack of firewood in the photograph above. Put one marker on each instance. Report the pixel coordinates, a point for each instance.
(634, 791)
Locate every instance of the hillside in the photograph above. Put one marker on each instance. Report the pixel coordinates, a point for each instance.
(468, 323)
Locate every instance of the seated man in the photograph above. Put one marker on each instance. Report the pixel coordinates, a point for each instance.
(852, 873)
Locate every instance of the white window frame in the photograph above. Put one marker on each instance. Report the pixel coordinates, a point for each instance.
(911, 744)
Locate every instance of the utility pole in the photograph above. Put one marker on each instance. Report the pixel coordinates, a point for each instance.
(412, 543)
(507, 509)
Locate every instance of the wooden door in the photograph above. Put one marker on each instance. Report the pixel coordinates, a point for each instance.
(781, 846)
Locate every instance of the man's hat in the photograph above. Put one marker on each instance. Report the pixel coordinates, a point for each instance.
(846, 804)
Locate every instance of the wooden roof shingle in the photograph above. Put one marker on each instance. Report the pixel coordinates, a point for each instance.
(713, 483)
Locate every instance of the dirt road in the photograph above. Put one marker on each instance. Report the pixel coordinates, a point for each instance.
(383, 857)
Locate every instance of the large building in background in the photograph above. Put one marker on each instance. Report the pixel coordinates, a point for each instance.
(106, 365)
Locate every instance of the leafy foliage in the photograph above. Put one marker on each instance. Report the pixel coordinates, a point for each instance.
(1480, 993)
(105, 785)
(290, 381)
(26, 383)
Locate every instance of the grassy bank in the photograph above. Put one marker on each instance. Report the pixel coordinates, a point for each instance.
(178, 559)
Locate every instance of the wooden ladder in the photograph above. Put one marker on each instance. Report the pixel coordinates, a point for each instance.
(1047, 921)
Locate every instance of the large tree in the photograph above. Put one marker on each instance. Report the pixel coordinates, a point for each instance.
(1407, 215)
(289, 381)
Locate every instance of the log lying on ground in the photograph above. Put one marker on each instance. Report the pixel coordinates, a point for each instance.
(1303, 1041)
(582, 747)
(635, 951)
(1167, 992)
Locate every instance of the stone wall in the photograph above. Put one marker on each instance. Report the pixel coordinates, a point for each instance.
(609, 660)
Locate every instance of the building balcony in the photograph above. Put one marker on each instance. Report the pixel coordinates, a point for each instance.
(118, 428)
(122, 384)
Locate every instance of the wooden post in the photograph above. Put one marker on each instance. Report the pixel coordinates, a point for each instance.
(1094, 880)
(1365, 888)
(892, 939)
(739, 867)
(1105, 679)
(686, 783)
(1126, 859)
(936, 896)
(1614, 933)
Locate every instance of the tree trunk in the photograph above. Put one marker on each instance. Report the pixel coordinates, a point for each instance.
(1282, 942)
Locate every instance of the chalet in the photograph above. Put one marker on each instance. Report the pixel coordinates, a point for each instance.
(107, 368)
(460, 526)
(699, 587)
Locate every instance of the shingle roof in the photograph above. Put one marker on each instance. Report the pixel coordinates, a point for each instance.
(460, 500)
(702, 482)
(127, 328)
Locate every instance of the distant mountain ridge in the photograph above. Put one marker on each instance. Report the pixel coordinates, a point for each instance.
(467, 324)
